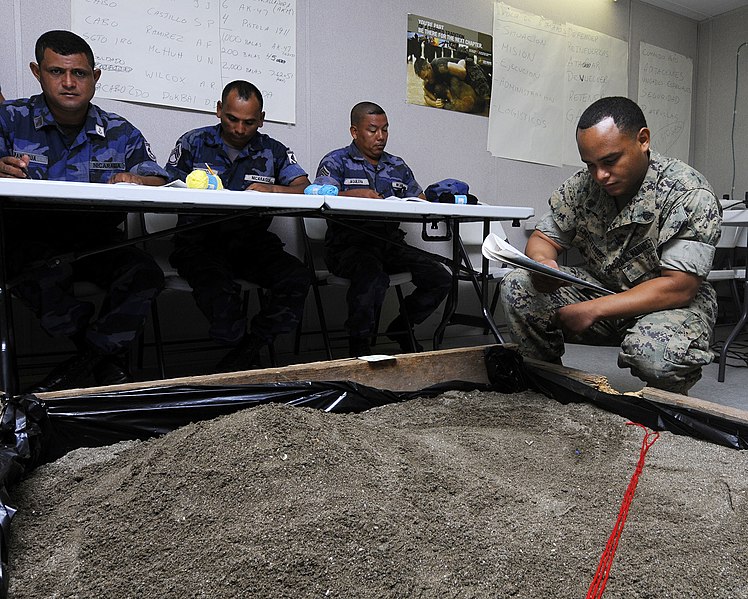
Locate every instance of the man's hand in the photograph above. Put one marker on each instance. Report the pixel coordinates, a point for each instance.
(576, 318)
(543, 249)
(126, 178)
(361, 193)
(15, 168)
(264, 187)
(136, 179)
(545, 284)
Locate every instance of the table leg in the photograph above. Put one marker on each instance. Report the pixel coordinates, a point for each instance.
(733, 334)
(8, 370)
(459, 254)
(451, 305)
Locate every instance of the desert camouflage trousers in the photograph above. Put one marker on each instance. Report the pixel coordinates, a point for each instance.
(666, 349)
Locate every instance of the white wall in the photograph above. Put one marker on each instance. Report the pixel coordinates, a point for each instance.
(719, 40)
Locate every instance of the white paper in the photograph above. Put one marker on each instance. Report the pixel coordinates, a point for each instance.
(177, 183)
(181, 54)
(665, 89)
(498, 250)
(596, 66)
(527, 91)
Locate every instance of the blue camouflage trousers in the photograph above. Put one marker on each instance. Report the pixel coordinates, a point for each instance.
(666, 349)
(368, 268)
(130, 277)
(212, 270)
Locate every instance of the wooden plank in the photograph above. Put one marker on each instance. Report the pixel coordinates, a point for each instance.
(667, 398)
(404, 372)
(410, 372)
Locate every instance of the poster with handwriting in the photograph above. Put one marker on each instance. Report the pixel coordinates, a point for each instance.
(665, 88)
(545, 75)
(596, 66)
(182, 52)
(258, 43)
(527, 103)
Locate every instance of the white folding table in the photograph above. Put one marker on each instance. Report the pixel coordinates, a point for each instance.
(63, 195)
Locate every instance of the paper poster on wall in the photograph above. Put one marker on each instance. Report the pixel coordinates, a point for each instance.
(182, 53)
(527, 103)
(596, 66)
(448, 67)
(665, 88)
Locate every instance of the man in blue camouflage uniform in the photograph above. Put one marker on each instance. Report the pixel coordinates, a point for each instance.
(363, 169)
(646, 227)
(59, 135)
(211, 258)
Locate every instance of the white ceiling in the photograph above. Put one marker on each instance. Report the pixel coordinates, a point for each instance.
(699, 10)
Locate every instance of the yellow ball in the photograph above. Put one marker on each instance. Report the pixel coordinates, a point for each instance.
(197, 179)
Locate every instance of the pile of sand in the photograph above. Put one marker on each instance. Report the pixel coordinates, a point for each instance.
(465, 495)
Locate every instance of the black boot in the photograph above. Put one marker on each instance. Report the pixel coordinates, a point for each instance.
(398, 331)
(72, 373)
(112, 370)
(245, 356)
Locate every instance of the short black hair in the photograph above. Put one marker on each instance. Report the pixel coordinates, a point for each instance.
(420, 65)
(625, 113)
(64, 43)
(244, 89)
(362, 109)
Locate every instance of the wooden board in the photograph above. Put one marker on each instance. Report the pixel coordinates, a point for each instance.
(403, 372)
(675, 400)
(410, 372)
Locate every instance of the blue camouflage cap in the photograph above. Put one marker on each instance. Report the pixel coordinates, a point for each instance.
(452, 186)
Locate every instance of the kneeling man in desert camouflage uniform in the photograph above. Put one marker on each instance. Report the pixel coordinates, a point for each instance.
(646, 227)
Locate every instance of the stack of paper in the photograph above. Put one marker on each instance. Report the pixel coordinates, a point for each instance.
(498, 250)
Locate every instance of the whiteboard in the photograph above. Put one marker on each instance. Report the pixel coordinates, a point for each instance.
(665, 88)
(545, 75)
(181, 53)
(596, 67)
(527, 89)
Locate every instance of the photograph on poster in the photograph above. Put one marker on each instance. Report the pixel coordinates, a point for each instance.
(448, 67)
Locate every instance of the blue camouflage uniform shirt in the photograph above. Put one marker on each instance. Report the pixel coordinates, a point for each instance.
(106, 144)
(262, 160)
(348, 169)
(673, 223)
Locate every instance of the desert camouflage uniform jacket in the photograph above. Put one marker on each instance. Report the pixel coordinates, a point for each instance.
(672, 223)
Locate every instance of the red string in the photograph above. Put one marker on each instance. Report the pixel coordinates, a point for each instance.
(606, 560)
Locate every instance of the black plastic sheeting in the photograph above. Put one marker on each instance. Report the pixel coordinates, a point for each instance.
(33, 432)
(657, 416)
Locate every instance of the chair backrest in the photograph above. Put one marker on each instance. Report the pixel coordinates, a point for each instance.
(732, 236)
(153, 222)
(315, 228)
(313, 235)
(472, 233)
(161, 248)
